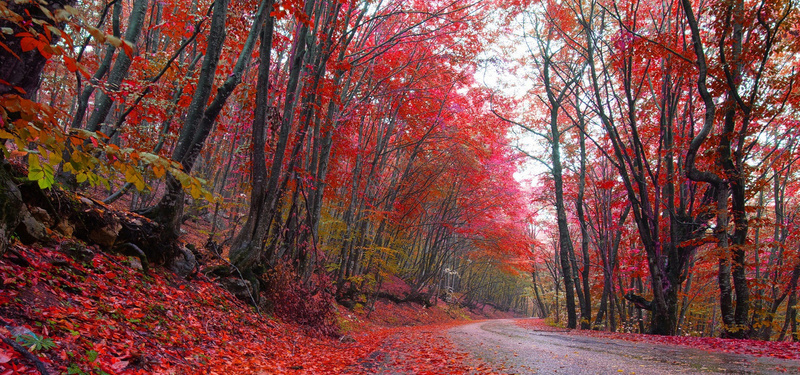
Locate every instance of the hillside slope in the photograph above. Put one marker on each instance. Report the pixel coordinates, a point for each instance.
(80, 311)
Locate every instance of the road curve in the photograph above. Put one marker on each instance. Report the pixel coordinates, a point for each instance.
(512, 349)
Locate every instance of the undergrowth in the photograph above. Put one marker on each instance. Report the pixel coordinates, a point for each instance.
(310, 304)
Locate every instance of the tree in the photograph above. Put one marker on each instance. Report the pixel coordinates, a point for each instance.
(120, 69)
(250, 237)
(201, 116)
(555, 98)
(732, 138)
(21, 66)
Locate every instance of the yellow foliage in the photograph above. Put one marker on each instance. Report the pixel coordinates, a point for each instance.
(36, 134)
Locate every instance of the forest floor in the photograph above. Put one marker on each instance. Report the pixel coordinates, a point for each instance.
(100, 315)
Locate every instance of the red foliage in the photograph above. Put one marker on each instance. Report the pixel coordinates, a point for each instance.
(395, 286)
(102, 315)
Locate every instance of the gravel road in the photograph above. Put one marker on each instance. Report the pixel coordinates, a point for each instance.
(511, 349)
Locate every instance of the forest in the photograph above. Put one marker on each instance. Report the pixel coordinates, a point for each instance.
(620, 166)
(669, 134)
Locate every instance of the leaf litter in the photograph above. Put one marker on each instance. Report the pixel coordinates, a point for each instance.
(103, 316)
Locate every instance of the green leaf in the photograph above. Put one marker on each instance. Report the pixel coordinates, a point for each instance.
(194, 191)
(73, 369)
(45, 183)
(91, 355)
(134, 177)
(35, 342)
(6, 135)
(184, 178)
(35, 172)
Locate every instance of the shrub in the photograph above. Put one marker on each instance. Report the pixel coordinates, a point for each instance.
(310, 304)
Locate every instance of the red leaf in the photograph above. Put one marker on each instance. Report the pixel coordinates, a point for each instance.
(71, 65)
(28, 44)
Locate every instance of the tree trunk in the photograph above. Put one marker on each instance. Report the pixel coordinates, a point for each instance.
(247, 246)
(103, 102)
(541, 305)
(555, 98)
(10, 204)
(200, 118)
(586, 301)
(564, 240)
(20, 71)
(102, 69)
(272, 192)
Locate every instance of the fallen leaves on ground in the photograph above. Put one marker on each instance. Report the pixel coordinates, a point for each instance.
(420, 350)
(105, 317)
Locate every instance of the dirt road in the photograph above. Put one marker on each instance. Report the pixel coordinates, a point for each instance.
(511, 349)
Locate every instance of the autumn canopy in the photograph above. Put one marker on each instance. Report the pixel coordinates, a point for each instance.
(622, 166)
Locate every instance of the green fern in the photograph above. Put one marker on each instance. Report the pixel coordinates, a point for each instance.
(35, 342)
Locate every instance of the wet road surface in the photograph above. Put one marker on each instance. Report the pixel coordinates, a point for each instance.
(511, 349)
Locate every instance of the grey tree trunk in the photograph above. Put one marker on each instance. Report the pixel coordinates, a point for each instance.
(10, 204)
(200, 118)
(103, 102)
(247, 246)
(586, 301)
(102, 69)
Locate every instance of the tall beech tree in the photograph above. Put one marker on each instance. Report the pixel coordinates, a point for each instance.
(249, 240)
(740, 108)
(201, 115)
(559, 77)
(119, 71)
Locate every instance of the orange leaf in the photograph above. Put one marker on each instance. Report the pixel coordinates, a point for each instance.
(18, 154)
(45, 50)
